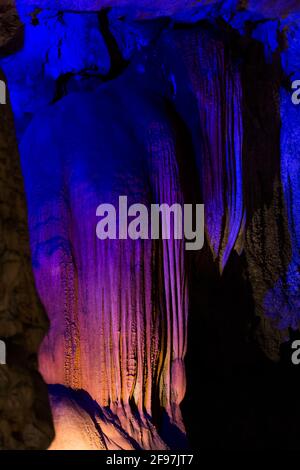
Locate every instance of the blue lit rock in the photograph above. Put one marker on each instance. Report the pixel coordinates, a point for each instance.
(55, 44)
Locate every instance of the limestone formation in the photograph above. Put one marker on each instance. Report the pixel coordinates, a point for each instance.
(192, 105)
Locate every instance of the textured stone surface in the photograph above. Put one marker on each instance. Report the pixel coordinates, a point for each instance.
(137, 295)
(156, 7)
(206, 126)
(24, 408)
(136, 358)
(25, 419)
(56, 48)
(11, 32)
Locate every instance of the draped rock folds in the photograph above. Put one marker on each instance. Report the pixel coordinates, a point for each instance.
(118, 308)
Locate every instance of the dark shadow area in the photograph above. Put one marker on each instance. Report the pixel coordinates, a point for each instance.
(237, 398)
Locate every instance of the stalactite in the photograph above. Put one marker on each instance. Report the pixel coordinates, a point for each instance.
(116, 332)
(119, 307)
(185, 119)
(216, 84)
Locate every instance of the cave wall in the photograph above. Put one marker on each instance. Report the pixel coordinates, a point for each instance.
(206, 117)
(141, 367)
(25, 418)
